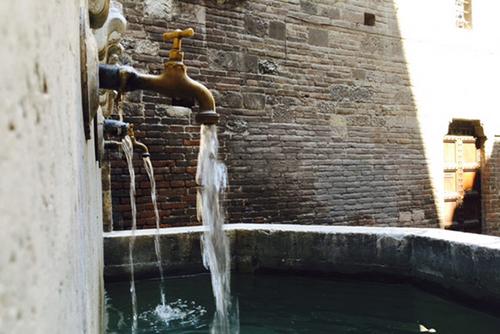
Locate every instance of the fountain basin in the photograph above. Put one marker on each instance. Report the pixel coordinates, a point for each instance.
(295, 304)
(467, 265)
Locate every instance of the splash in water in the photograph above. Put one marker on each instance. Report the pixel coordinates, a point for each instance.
(174, 315)
(211, 177)
(149, 170)
(128, 149)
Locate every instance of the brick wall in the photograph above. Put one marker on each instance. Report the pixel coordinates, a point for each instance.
(491, 190)
(318, 121)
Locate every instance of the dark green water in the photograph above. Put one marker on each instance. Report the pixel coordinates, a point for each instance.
(288, 304)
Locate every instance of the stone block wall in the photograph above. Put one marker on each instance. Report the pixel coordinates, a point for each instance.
(51, 254)
(318, 119)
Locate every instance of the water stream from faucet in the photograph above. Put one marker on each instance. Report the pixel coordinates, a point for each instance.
(149, 170)
(128, 150)
(211, 177)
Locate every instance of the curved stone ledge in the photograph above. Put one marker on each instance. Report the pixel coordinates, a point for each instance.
(462, 262)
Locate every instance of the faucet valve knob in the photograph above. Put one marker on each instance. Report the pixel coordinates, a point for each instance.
(176, 36)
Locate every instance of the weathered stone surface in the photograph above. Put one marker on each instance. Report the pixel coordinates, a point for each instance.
(331, 12)
(361, 94)
(341, 93)
(282, 114)
(228, 60)
(405, 217)
(317, 37)
(254, 101)
(180, 112)
(359, 74)
(373, 44)
(232, 100)
(255, 25)
(251, 63)
(308, 6)
(190, 12)
(147, 47)
(338, 121)
(354, 16)
(418, 216)
(268, 67)
(158, 8)
(236, 126)
(135, 96)
(338, 125)
(277, 30)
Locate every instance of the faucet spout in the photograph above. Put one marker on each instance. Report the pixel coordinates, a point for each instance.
(135, 142)
(173, 82)
(113, 127)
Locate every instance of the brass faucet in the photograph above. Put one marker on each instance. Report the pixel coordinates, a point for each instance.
(120, 129)
(173, 82)
(131, 134)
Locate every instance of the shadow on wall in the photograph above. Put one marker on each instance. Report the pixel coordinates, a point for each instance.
(318, 123)
(466, 216)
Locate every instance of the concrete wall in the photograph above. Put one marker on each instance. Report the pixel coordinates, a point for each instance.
(50, 207)
(324, 120)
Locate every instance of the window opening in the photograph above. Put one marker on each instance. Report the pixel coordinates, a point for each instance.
(369, 19)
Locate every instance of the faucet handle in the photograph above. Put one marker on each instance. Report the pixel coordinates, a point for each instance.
(176, 36)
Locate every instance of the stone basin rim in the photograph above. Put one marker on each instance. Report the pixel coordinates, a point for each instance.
(465, 265)
(433, 233)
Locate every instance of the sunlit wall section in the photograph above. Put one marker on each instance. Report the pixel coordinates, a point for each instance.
(453, 74)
